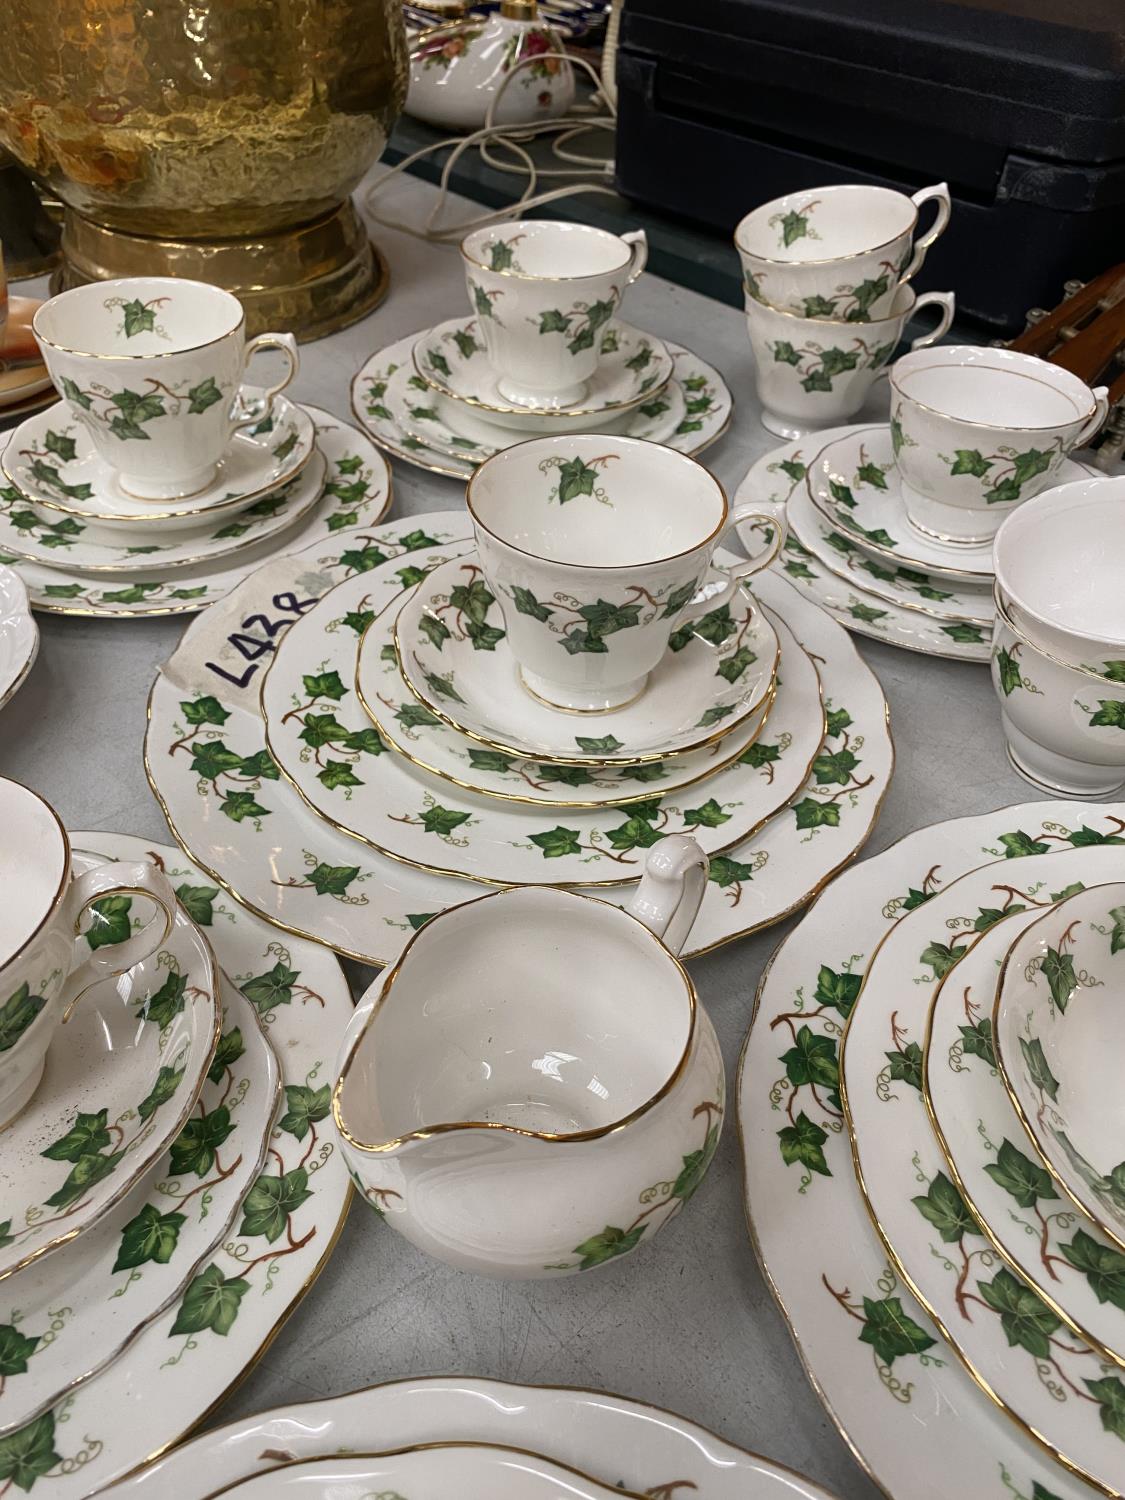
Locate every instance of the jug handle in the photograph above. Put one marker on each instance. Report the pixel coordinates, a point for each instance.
(671, 889)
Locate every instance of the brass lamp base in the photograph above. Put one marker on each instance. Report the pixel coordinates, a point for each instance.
(310, 280)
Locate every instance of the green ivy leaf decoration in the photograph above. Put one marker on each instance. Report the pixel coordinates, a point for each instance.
(943, 1207)
(554, 320)
(86, 1137)
(240, 805)
(442, 820)
(890, 1330)
(941, 957)
(1110, 714)
(1038, 1069)
(970, 461)
(964, 634)
(813, 814)
(1110, 1392)
(273, 988)
(165, 1003)
(227, 1053)
(1018, 1175)
(794, 226)
(17, 1014)
(86, 1173)
(336, 774)
(732, 667)
(837, 991)
(1058, 971)
(491, 760)
(1102, 1265)
(62, 445)
(557, 842)
(1019, 844)
(866, 613)
(1008, 671)
(976, 1041)
(1027, 1321)
(610, 1243)
(167, 1082)
(138, 317)
(109, 921)
(785, 354)
(435, 630)
(210, 1303)
(16, 1349)
(834, 767)
(307, 1107)
(194, 1148)
(150, 1236)
(906, 1065)
(803, 1142)
(271, 1201)
(29, 1452)
(709, 815)
(695, 1166)
(203, 395)
(759, 755)
(415, 716)
(332, 880)
(324, 685)
(605, 745)
(73, 393)
(812, 1059)
(819, 307)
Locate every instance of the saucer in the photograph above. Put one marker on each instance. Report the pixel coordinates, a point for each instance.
(121, 1077)
(452, 360)
(707, 400)
(718, 671)
(46, 537)
(19, 634)
(453, 428)
(853, 483)
(51, 460)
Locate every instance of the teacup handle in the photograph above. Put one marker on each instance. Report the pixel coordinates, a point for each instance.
(763, 511)
(638, 240)
(940, 193)
(948, 304)
(120, 878)
(1101, 410)
(253, 408)
(671, 889)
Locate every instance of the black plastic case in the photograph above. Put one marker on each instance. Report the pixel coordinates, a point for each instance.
(1018, 104)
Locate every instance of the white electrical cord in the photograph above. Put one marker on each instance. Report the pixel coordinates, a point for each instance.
(508, 137)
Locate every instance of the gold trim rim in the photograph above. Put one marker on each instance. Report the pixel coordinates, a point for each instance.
(1081, 418)
(172, 281)
(842, 323)
(1022, 636)
(424, 1133)
(899, 1265)
(566, 225)
(830, 260)
(588, 760)
(65, 875)
(138, 522)
(1116, 1236)
(1056, 1307)
(606, 411)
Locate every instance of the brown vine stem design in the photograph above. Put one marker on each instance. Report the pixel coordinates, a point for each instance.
(667, 1491)
(844, 1298)
(1116, 829)
(790, 1019)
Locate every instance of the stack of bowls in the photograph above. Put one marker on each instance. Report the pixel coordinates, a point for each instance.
(826, 276)
(1058, 649)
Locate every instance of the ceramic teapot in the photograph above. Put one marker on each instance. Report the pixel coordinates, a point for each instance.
(534, 1088)
(457, 70)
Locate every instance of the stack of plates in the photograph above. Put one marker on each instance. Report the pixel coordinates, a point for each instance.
(171, 1170)
(957, 1287)
(84, 546)
(370, 779)
(431, 399)
(624, 1446)
(852, 547)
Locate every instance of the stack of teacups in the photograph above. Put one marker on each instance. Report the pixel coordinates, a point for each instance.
(1058, 655)
(825, 274)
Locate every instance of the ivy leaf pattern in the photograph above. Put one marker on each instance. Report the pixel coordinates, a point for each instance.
(29, 1453)
(1008, 670)
(332, 880)
(1019, 844)
(1058, 971)
(1110, 714)
(109, 921)
(203, 395)
(558, 842)
(198, 902)
(1027, 1321)
(442, 820)
(273, 988)
(167, 1082)
(890, 1330)
(16, 1349)
(194, 1148)
(137, 317)
(1110, 1393)
(230, 1049)
(837, 991)
(527, 604)
(1036, 1061)
(575, 478)
(813, 814)
(17, 1014)
(606, 744)
(906, 1065)
(976, 1041)
(605, 1246)
(151, 1235)
(86, 1137)
(1102, 1265)
(970, 461)
(271, 1201)
(943, 1207)
(1018, 1175)
(166, 1003)
(86, 1173)
(210, 1303)
(307, 1107)
(812, 1059)
(803, 1142)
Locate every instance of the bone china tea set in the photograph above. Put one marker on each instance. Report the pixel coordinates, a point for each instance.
(531, 755)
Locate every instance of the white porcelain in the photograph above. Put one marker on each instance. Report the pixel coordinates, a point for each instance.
(57, 464)
(44, 961)
(95, 1296)
(620, 1441)
(836, 252)
(437, 1471)
(35, 534)
(991, 1320)
(454, 428)
(978, 431)
(450, 359)
(557, 1097)
(457, 72)
(322, 741)
(154, 368)
(1065, 728)
(357, 494)
(379, 393)
(311, 879)
(1065, 1256)
(1059, 564)
(1059, 1026)
(185, 1362)
(813, 373)
(596, 550)
(121, 1075)
(719, 670)
(19, 634)
(542, 291)
(160, 335)
(909, 1412)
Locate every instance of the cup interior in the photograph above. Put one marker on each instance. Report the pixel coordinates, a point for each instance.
(141, 316)
(533, 1009)
(993, 387)
(33, 866)
(825, 223)
(560, 252)
(1062, 558)
(599, 502)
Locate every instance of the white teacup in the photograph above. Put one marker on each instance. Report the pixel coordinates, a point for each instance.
(1060, 573)
(978, 431)
(543, 293)
(814, 373)
(43, 959)
(1065, 727)
(604, 524)
(836, 252)
(154, 368)
(534, 1088)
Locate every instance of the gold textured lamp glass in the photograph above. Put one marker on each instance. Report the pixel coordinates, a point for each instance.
(217, 139)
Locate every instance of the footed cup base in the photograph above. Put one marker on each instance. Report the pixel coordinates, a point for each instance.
(582, 700)
(1059, 774)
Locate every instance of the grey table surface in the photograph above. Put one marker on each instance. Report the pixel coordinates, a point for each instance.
(687, 1323)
